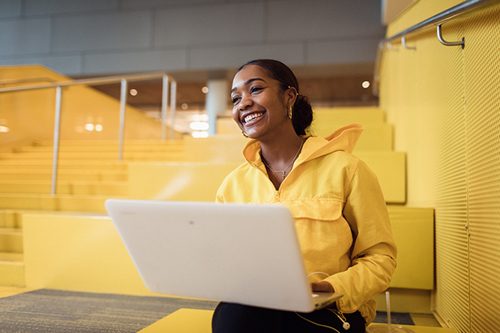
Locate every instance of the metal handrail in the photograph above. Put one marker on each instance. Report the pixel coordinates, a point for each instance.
(91, 81)
(437, 20)
(27, 80)
(123, 80)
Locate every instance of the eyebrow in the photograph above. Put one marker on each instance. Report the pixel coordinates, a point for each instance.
(248, 82)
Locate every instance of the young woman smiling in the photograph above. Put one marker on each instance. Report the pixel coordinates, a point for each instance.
(339, 210)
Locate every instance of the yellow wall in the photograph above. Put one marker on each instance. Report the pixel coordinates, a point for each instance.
(30, 115)
(444, 103)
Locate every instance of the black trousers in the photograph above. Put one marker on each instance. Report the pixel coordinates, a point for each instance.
(229, 318)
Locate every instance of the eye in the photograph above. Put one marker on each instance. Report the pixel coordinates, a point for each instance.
(255, 89)
(235, 99)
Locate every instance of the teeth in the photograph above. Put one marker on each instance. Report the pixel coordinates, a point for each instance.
(252, 117)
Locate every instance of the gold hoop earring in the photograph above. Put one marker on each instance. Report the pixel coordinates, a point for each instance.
(244, 134)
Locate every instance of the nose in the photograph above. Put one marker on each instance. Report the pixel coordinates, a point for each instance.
(245, 102)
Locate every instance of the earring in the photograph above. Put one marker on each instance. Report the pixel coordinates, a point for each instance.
(244, 134)
(290, 111)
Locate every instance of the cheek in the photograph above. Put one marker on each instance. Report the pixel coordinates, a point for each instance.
(235, 116)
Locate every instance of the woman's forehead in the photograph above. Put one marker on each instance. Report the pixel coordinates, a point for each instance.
(250, 72)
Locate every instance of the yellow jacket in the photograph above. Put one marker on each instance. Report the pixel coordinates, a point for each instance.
(340, 215)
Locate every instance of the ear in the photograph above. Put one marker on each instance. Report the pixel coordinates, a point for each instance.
(290, 96)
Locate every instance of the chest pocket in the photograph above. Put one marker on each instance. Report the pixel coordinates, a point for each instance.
(319, 209)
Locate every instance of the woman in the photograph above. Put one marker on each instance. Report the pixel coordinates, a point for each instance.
(339, 210)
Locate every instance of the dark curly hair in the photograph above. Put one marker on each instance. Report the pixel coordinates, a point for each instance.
(302, 114)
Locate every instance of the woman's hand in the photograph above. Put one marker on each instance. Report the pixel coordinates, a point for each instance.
(322, 286)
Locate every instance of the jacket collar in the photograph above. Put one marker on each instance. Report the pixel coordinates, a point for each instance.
(343, 139)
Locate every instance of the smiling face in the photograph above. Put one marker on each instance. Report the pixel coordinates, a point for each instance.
(259, 103)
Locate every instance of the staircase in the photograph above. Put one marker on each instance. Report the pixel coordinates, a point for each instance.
(11, 249)
(88, 174)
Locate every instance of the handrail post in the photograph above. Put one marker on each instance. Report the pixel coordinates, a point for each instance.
(164, 103)
(172, 108)
(57, 126)
(123, 101)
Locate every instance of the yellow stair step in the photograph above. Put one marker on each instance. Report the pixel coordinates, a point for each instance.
(65, 187)
(37, 164)
(10, 219)
(66, 175)
(183, 321)
(94, 155)
(101, 148)
(12, 270)
(11, 240)
(347, 116)
(413, 229)
(419, 329)
(390, 168)
(113, 143)
(47, 202)
(375, 137)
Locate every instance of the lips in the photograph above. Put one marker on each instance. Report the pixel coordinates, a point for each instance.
(252, 116)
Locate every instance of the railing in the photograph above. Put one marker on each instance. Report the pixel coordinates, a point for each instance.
(437, 21)
(27, 80)
(123, 79)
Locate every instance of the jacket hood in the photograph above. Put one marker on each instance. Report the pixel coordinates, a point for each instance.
(343, 139)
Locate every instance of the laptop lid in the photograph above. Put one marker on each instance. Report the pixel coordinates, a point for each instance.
(238, 253)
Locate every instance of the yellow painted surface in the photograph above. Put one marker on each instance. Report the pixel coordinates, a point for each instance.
(183, 321)
(406, 300)
(84, 252)
(227, 126)
(79, 252)
(200, 181)
(346, 116)
(11, 240)
(390, 168)
(10, 219)
(420, 329)
(177, 181)
(215, 149)
(413, 230)
(444, 103)
(12, 273)
(74, 203)
(6, 291)
(81, 105)
(375, 137)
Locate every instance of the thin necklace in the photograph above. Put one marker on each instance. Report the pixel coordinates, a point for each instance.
(289, 165)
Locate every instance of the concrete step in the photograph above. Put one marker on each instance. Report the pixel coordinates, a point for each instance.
(111, 148)
(29, 164)
(11, 240)
(67, 175)
(110, 143)
(348, 115)
(47, 202)
(390, 168)
(95, 156)
(10, 218)
(65, 187)
(11, 269)
(375, 137)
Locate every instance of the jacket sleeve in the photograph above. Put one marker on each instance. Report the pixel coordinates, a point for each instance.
(373, 258)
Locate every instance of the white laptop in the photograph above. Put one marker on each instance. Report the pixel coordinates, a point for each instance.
(237, 253)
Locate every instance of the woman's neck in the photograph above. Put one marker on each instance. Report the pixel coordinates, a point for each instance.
(279, 157)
